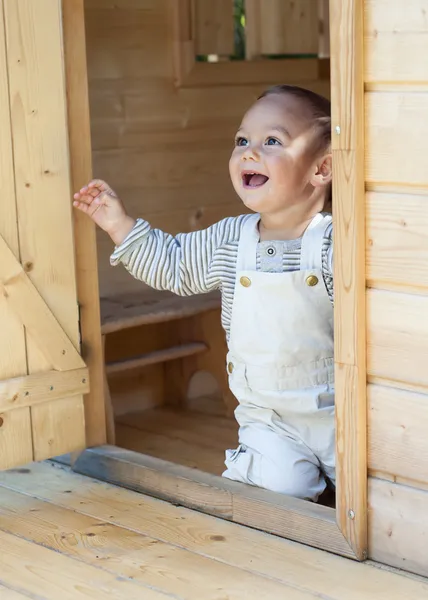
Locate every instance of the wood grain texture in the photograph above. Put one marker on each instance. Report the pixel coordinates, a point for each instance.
(397, 434)
(288, 27)
(213, 27)
(31, 567)
(396, 242)
(397, 329)
(396, 36)
(12, 341)
(79, 132)
(60, 427)
(392, 116)
(347, 95)
(253, 48)
(226, 543)
(43, 185)
(295, 519)
(8, 594)
(398, 526)
(42, 387)
(54, 346)
(16, 447)
(128, 554)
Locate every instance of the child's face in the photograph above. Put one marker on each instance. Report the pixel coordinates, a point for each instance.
(273, 165)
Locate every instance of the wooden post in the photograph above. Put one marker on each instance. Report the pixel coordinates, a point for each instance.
(84, 229)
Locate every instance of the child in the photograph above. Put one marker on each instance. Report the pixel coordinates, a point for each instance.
(274, 270)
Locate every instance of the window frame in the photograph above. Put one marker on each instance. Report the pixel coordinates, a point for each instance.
(188, 72)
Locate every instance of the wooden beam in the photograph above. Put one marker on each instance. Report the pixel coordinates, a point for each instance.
(88, 295)
(282, 515)
(42, 387)
(41, 325)
(347, 94)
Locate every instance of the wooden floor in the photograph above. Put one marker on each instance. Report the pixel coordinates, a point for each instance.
(64, 536)
(188, 438)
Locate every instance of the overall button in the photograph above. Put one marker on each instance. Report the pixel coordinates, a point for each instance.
(312, 280)
(230, 367)
(245, 281)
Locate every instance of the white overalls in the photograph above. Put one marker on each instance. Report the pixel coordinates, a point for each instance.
(281, 370)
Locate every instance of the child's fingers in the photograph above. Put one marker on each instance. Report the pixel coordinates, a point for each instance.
(100, 184)
(81, 206)
(83, 197)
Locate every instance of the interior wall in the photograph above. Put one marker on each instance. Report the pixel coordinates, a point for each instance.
(396, 76)
(164, 150)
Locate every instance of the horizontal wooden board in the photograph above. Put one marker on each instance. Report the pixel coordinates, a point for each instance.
(41, 387)
(397, 121)
(240, 547)
(131, 555)
(397, 241)
(397, 433)
(396, 37)
(8, 594)
(165, 168)
(398, 526)
(289, 517)
(397, 333)
(129, 42)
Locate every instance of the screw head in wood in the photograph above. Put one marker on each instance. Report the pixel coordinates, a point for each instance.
(351, 514)
(337, 130)
(51, 388)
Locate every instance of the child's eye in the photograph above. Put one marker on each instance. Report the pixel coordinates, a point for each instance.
(271, 141)
(241, 141)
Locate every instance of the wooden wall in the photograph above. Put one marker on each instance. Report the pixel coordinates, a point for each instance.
(165, 150)
(396, 80)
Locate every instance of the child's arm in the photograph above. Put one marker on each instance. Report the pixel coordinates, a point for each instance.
(179, 264)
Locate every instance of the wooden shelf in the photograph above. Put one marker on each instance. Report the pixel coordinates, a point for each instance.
(151, 306)
(156, 357)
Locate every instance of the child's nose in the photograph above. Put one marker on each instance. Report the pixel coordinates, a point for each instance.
(251, 153)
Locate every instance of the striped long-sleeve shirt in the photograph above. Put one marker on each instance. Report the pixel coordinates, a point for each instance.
(204, 261)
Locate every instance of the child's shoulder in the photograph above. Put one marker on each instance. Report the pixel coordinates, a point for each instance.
(228, 230)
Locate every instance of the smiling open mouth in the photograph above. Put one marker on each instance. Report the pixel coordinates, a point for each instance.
(251, 179)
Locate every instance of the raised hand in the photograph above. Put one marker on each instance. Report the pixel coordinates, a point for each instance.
(104, 207)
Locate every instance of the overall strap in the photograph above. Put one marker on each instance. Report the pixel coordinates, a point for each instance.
(312, 242)
(247, 248)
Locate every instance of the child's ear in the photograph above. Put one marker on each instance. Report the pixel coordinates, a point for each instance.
(323, 172)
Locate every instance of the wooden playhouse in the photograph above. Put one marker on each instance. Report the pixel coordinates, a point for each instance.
(129, 385)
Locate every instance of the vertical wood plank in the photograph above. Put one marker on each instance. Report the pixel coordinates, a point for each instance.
(214, 27)
(15, 433)
(12, 340)
(324, 28)
(59, 428)
(253, 40)
(42, 173)
(347, 94)
(15, 438)
(84, 229)
(289, 27)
